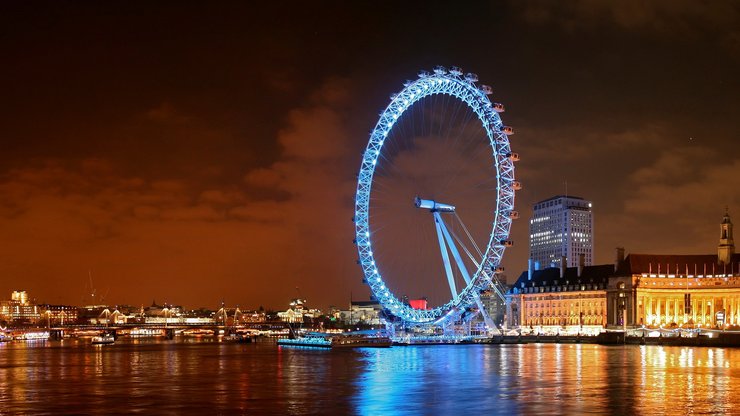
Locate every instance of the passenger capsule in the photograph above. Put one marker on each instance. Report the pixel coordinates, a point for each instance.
(440, 70)
(407, 83)
(456, 71)
(514, 215)
(486, 89)
(507, 130)
(514, 157)
(471, 77)
(506, 243)
(498, 107)
(516, 185)
(424, 74)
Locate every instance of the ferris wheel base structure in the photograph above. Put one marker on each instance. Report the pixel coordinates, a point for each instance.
(465, 302)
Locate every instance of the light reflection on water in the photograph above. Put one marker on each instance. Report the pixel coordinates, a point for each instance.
(170, 377)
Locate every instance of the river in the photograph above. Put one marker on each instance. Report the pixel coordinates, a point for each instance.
(206, 377)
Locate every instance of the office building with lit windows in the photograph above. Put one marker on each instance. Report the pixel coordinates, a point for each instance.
(561, 226)
(19, 309)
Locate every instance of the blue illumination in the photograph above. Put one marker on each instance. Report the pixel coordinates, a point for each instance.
(464, 88)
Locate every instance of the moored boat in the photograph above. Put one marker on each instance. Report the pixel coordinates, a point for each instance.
(306, 341)
(238, 338)
(104, 339)
(360, 341)
(338, 341)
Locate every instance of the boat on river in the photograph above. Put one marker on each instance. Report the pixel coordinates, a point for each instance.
(239, 338)
(360, 341)
(104, 339)
(306, 341)
(322, 340)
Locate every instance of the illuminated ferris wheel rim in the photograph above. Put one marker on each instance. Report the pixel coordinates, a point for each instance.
(463, 87)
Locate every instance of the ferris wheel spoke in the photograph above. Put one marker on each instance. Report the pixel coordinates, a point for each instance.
(467, 252)
(470, 237)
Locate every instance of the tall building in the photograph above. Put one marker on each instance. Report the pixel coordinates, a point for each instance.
(561, 226)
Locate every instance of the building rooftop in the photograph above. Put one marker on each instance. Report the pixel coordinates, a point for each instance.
(365, 303)
(681, 264)
(558, 197)
(550, 277)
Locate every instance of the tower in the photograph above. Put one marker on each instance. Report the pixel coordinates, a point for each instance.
(561, 226)
(726, 247)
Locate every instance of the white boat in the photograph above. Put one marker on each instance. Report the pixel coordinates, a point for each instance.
(103, 339)
(306, 341)
(33, 336)
(238, 338)
(337, 341)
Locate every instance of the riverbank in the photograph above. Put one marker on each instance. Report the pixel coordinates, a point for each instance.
(620, 338)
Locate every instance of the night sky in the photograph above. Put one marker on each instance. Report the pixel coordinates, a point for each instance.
(193, 152)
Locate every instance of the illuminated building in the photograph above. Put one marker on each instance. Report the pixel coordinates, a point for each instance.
(19, 296)
(494, 306)
(659, 290)
(298, 312)
(58, 314)
(19, 309)
(254, 316)
(561, 226)
(361, 312)
(560, 299)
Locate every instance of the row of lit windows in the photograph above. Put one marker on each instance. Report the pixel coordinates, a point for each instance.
(560, 304)
(559, 203)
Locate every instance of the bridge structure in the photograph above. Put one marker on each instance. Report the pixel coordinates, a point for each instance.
(143, 329)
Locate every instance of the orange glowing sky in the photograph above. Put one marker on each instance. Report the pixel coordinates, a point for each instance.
(191, 153)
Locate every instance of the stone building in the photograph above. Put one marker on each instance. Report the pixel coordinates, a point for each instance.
(560, 299)
(670, 290)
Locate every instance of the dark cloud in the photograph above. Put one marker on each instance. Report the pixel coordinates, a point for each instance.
(662, 18)
(157, 233)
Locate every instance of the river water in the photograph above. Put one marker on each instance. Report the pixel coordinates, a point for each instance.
(206, 377)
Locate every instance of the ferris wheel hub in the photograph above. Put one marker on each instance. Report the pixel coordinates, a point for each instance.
(432, 205)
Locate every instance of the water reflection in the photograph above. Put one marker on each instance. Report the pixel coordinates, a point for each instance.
(205, 377)
(546, 379)
(695, 380)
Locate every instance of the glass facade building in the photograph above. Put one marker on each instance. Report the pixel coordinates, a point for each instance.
(561, 226)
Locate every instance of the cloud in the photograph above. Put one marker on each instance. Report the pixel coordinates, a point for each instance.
(674, 203)
(712, 22)
(186, 240)
(681, 182)
(663, 17)
(654, 190)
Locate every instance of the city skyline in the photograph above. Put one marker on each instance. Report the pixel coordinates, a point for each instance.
(204, 158)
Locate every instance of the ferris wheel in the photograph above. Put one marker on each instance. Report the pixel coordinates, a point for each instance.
(466, 274)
